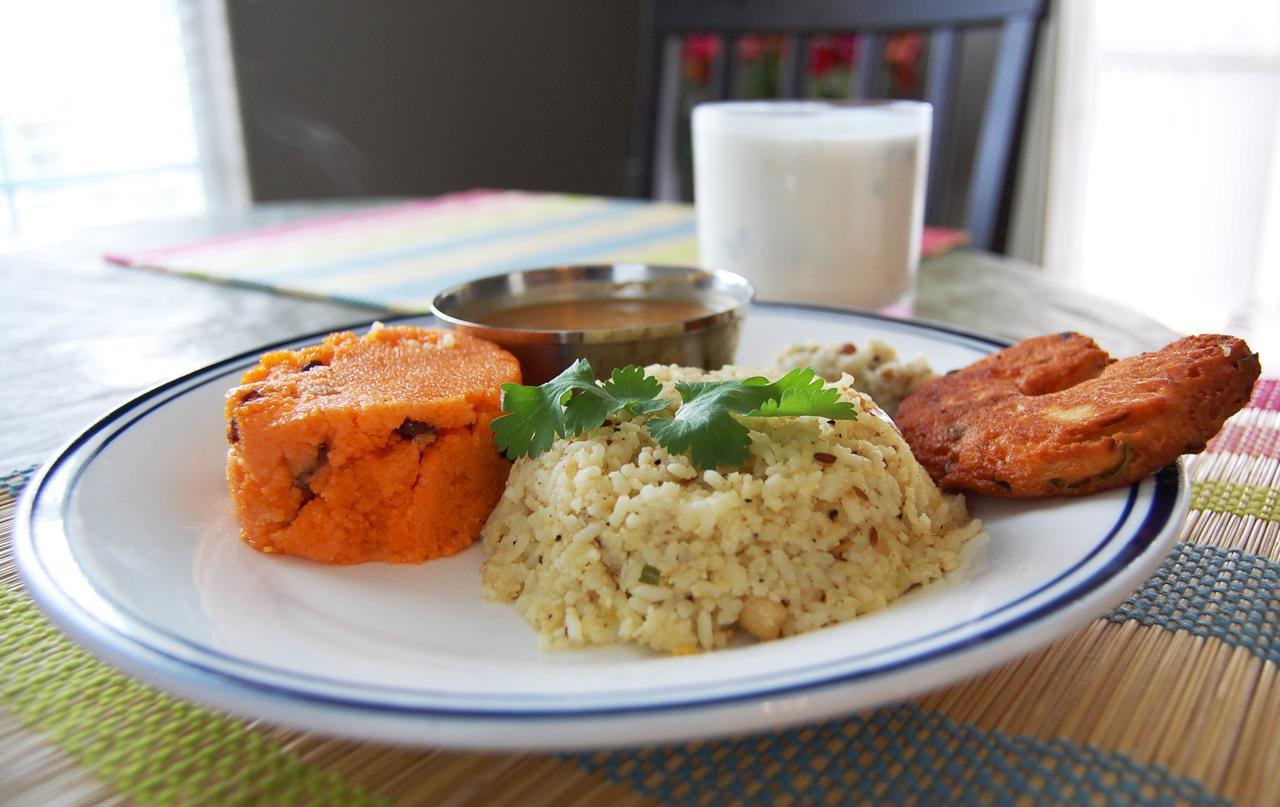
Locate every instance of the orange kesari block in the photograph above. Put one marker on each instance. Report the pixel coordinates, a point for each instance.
(369, 448)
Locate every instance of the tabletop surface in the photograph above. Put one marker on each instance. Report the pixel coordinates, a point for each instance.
(85, 336)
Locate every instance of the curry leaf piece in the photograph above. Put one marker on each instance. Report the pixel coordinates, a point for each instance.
(801, 394)
(536, 415)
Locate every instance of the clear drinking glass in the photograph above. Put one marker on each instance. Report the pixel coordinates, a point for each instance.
(814, 201)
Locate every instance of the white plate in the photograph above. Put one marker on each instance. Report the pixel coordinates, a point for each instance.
(128, 541)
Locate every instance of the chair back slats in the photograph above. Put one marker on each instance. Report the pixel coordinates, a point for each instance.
(791, 72)
(938, 80)
(996, 140)
(870, 46)
(664, 178)
(727, 67)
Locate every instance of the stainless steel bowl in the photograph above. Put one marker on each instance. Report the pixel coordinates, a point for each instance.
(708, 341)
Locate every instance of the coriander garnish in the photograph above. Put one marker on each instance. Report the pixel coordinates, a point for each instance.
(571, 403)
(703, 426)
(574, 402)
(650, 575)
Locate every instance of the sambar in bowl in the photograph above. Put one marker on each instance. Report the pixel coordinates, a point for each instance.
(611, 315)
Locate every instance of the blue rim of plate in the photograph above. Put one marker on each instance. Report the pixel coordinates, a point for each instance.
(1169, 485)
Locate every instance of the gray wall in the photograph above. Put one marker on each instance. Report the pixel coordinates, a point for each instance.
(392, 97)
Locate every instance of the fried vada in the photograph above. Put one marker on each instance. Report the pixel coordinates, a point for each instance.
(1056, 416)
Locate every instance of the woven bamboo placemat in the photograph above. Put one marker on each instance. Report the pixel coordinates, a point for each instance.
(1171, 698)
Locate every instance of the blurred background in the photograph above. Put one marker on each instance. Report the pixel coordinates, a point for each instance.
(1149, 157)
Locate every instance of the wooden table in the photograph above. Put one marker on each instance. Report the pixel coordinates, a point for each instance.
(83, 336)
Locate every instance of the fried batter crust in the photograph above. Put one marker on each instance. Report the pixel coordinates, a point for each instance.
(1055, 416)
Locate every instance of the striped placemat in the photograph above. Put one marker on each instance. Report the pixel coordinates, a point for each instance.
(399, 256)
(1171, 698)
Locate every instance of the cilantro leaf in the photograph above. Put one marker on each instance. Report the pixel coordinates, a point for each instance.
(572, 403)
(704, 428)
(530, 425)
(535, 415)
(801, 394)
(627, 388)
(636, 391)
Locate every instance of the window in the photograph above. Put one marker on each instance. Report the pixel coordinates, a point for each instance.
(113, 112)
(1165, 191)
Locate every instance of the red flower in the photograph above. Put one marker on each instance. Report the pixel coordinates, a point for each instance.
(751, 47)
(846, 47)
(754, 47)
(697, 53)
(902, 53)
(828, 52)
(821, 59)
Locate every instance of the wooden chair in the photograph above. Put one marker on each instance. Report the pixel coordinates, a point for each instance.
(668, 21)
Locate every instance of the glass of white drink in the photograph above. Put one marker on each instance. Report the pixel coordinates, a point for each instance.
(813, 201)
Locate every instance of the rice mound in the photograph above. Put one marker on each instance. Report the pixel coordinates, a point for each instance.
(875, 367)
(826, 521)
